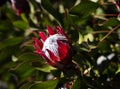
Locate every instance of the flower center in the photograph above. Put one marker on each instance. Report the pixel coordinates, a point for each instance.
(52, 45)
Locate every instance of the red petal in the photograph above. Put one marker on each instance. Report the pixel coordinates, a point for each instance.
(39, 52)
(50, 30)
(60, 31)
(36, 47)
(45, 57)
(43, 36)
(50, 62)
(52, 56)
(38, 43)
(62, 49)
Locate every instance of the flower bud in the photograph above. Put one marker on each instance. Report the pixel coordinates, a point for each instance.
(20, 6)
(54, 48)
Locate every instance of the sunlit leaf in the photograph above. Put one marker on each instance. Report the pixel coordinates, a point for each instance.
(89, 37)
(14, 59)
(45, 68)
(80, 38)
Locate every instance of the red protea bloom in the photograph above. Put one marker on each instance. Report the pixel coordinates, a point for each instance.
(54, 48)
(20, 6)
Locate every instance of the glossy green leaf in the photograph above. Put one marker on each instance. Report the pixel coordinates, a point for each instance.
(80, 38)
(111, 22)
(48, 6)
(85, 8)
(29, 57)
(21, 24)
(104, 45)
(24, 18)
(45, 68)
(45, 85)
(10, 42)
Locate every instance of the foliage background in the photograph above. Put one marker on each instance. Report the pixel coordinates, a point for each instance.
(93, 27)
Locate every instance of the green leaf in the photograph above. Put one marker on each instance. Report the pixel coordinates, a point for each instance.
(118, 71)
(24, 67)
(49, 7)
(24, 70)
(45, 85)
(24, 18)
(10, 42)
(28, 57)
(5, 25)
(77, 84)
(85, 8)
(112, 22)
(26, 85)
(21, 24)
(89, 37)
(14, 58)
(45, 68)
(104, 46)
(6, 53)
(80, 38)
(56, 73)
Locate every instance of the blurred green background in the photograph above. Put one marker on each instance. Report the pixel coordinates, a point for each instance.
(93, 27)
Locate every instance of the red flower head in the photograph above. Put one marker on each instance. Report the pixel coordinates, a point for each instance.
(54, 48)
(20, 6)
